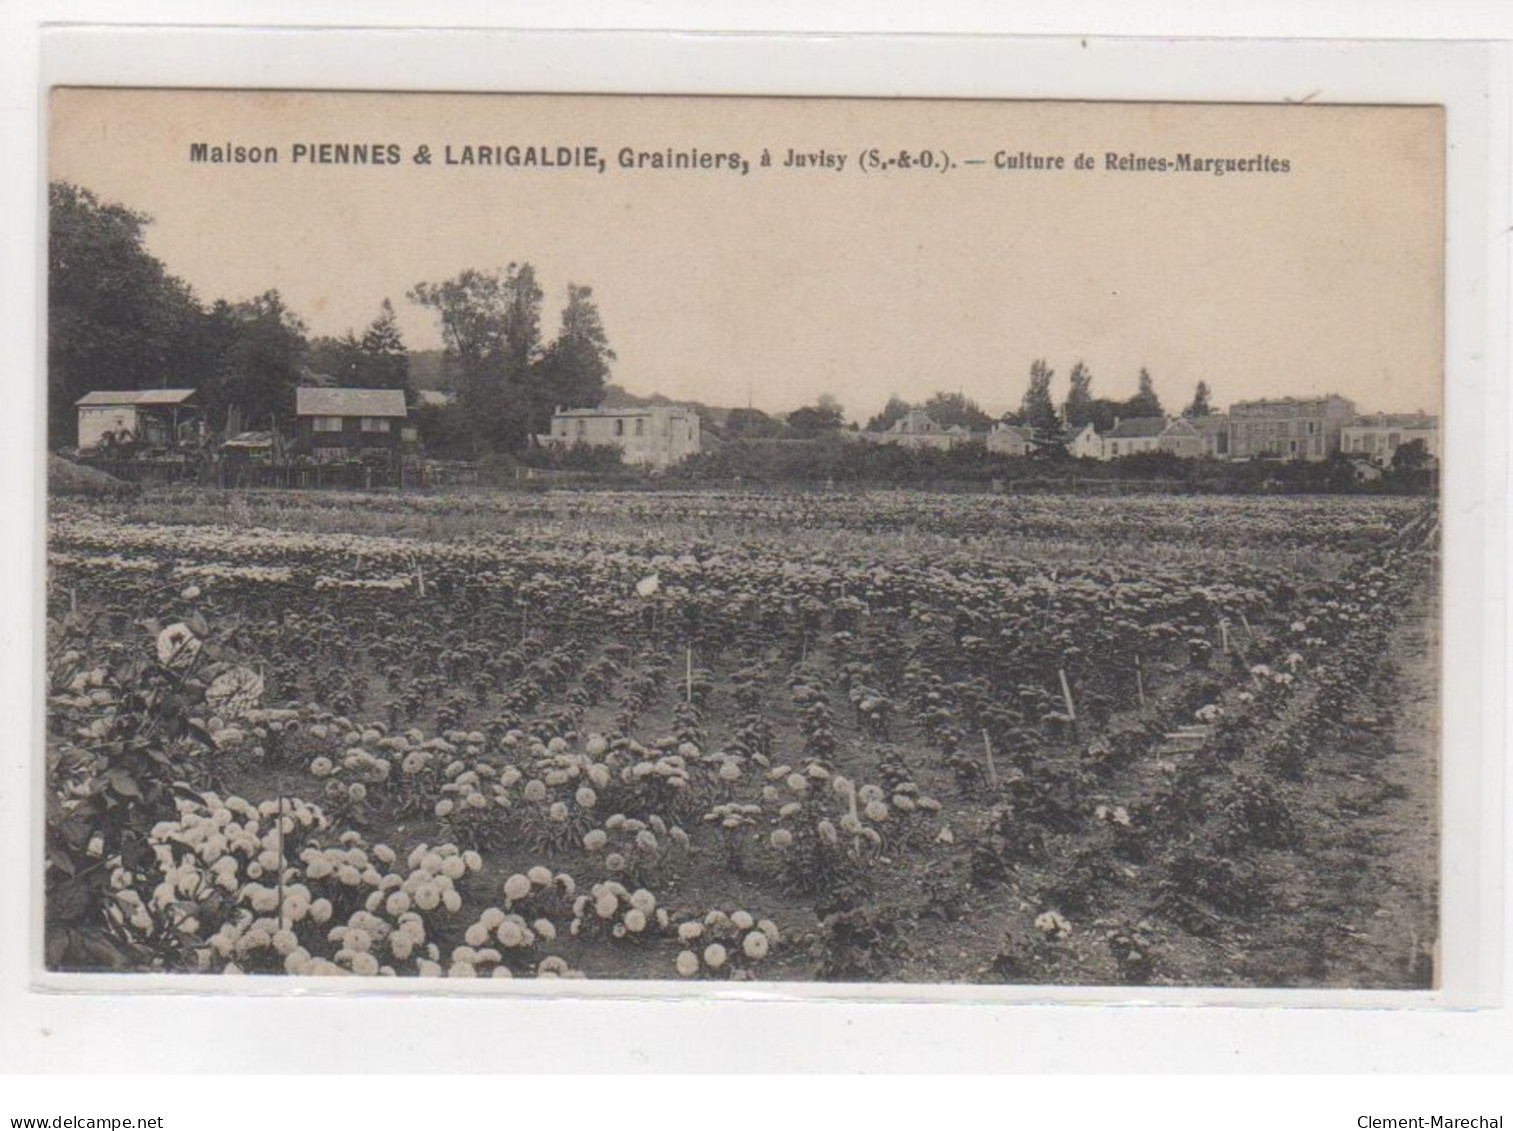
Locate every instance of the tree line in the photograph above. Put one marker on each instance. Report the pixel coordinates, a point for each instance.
(118, 319)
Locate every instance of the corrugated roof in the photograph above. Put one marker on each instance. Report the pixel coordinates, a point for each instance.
(135, 396)
(349, 402)
(1137, 426)
(250, 440)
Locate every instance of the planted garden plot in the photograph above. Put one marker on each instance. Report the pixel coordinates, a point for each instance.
(899, 737)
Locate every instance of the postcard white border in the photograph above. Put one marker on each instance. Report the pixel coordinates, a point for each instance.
(1470, 79)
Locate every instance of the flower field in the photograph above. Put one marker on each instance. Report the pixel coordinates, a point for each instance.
(700, 736)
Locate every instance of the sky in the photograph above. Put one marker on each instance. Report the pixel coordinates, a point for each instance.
(778, 284)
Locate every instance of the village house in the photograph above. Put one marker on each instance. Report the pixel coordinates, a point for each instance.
(158, 418)
(1214, 428)
(342, 424)
(1085, 443)
(1379, 436)
(1011, 440)
(655, 436)
(917, 429)
(1132, 436)
(1288, 428)
(1182, 439)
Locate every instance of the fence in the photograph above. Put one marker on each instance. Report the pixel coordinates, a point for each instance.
(349, 477)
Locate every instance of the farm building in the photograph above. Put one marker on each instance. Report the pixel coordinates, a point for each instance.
(1382, 434)
(338, 424)
(654, 436)
(1011, 440)
(155, 417)
(1085, 443)
(1288, 428)
(1137, 434)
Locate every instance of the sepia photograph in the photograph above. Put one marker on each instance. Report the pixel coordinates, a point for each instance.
(697, 539)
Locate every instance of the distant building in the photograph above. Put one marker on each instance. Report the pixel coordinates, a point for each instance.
(434, 398)
(154, 417)
(1214, 428)
(338, 424)
(1085, 443)
(1132, 436)
(1011, 440)
(1182, 438)
(1288, 428)
(1379, 436)
(656, 436)
(918, 429)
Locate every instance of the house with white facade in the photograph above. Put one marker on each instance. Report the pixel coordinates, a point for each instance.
(655, 436)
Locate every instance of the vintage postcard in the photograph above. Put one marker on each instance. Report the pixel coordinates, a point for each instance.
(744, 539)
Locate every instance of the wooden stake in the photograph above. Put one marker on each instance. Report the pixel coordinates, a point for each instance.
(1224, 635)
(1066, 694)
(688, 673)
(1246, 623)
(987, 747)
(1140, 681)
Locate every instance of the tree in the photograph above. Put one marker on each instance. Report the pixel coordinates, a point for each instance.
(1200, 405)
(1078, 407)
(816, 418)
(491, 331)
(1412, 456)
(894, 411)
(751, 423)
(261, 365)
(1145, 402)
(340, 359)
(951, 410)
(574, 371)
(116, 318)
(1036, 409)
(383, 361)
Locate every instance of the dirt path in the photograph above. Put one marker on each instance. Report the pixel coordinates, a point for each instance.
(1375, 918)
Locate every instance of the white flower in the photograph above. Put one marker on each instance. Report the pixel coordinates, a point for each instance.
(714, 956)
(755, 945)
(687, 963)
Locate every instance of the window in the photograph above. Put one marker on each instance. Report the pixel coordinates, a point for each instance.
(641, 426)
(328, 423)
(582, 428)
(375, 424)
(619, 428)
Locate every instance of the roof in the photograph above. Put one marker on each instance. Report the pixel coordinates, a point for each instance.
(435, 398)
(1395, 420)
(135, 396)
(1182, 425)
(1137, 426)
(349, 402)
(915, 420)
(1018, 429)
(250, 440)
(631, 410)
